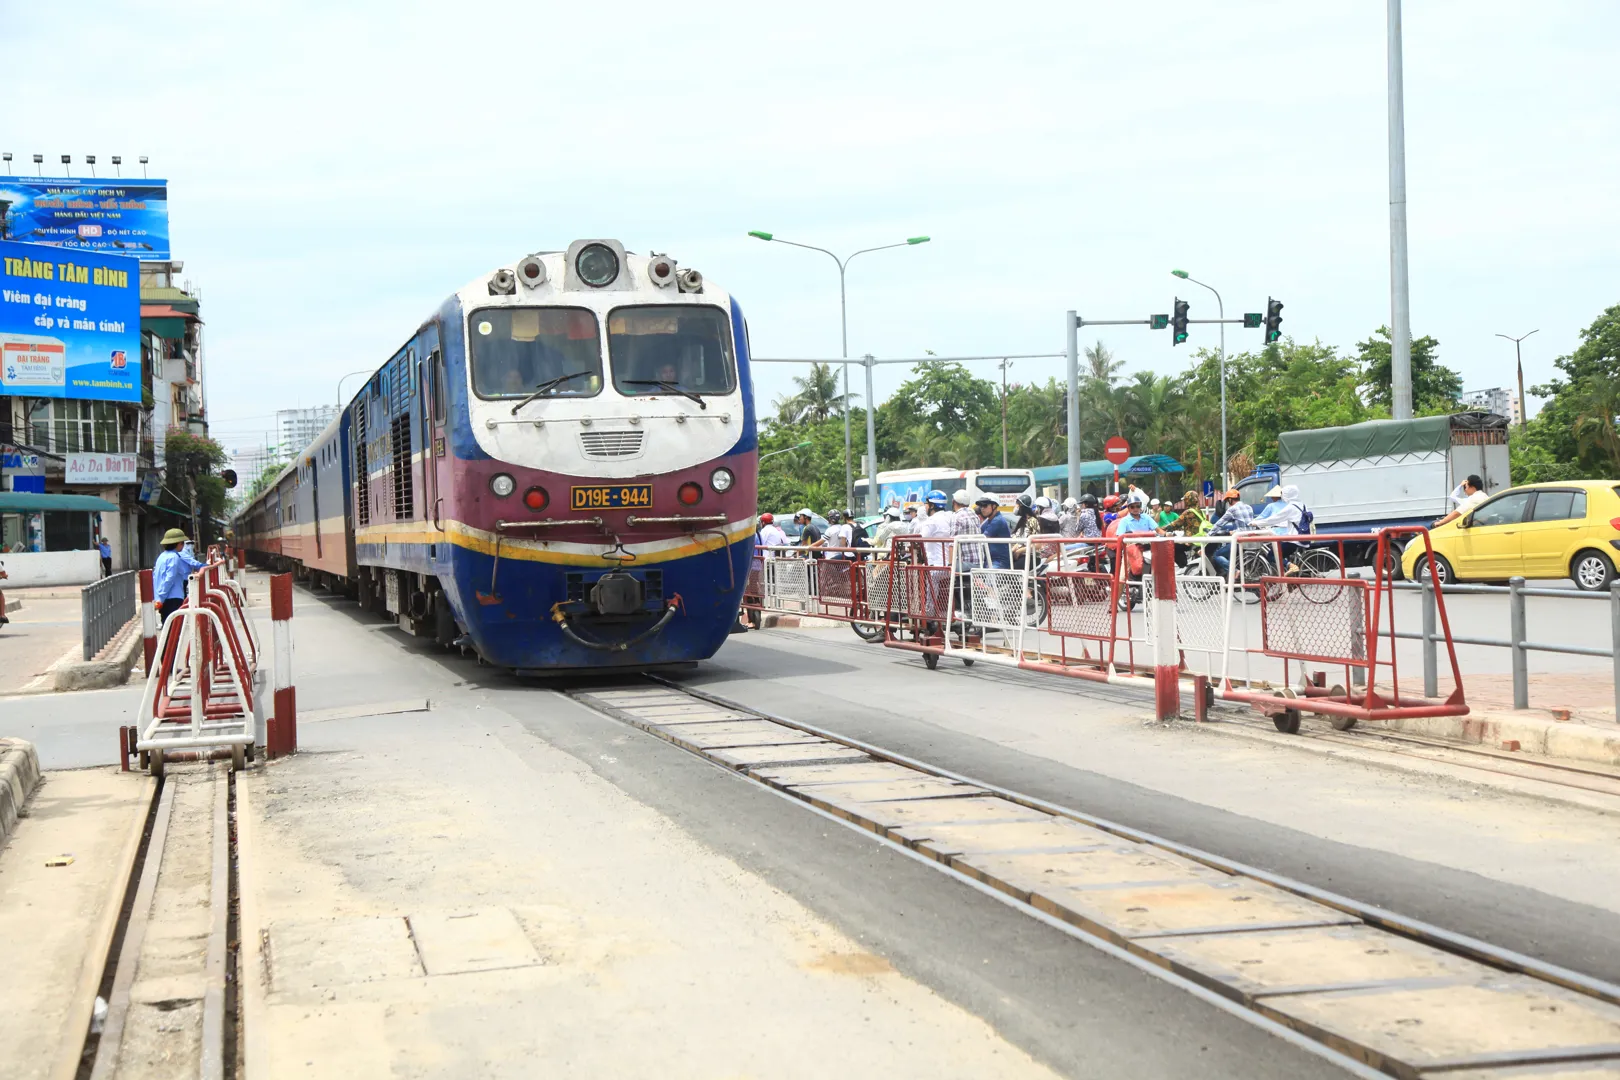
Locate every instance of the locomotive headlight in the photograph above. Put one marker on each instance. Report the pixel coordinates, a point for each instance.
(721, 480)
(596, 265)
(502, 485)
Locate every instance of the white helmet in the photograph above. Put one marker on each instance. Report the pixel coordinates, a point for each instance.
(1043, 503)
(960, 498)
(892, 513)
(1070, 503)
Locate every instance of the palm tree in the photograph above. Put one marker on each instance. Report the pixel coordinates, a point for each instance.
(1104, 368)
(817, 398)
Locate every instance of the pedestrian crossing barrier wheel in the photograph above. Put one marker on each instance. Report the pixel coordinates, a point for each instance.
(1287, 721)
(931, 659)
(238, 758)
(157, 764)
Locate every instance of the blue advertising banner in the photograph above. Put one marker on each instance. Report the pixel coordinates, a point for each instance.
(129, 217)
(70, 323)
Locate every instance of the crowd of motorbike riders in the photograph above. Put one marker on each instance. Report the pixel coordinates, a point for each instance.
(945, 517)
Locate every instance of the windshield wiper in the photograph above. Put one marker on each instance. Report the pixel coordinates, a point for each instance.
(671, 387)
(547, 385)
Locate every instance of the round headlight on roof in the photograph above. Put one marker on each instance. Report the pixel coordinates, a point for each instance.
(596, 265)
(721, 479)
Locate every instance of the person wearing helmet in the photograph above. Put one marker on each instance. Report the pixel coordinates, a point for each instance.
(1069, 518)
(809, 535)
(937, 525)
(994, 528)
(892, 527)
(771, 534)
(1239, 517)
(1046, 519)
(170, 573)
(965, 522)
(838, 534)
(1110, 508)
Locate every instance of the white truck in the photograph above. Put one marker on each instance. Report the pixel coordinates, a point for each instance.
(1361, 478)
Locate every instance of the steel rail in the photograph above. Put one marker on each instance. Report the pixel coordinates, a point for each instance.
(1413, 929)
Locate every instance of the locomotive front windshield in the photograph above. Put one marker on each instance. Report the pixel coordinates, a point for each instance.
(671, 349)
(516, 351)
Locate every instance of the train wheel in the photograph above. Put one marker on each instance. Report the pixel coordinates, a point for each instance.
(1287, 721)
(931, 659)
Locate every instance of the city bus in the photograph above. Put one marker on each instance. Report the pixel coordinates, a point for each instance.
(910, 487)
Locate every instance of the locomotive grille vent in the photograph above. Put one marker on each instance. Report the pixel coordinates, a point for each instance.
(579, 585)
(611, 444)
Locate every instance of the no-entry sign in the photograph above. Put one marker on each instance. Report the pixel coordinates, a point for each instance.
(1116, 450)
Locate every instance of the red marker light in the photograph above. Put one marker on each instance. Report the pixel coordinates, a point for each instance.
(690, 494)
(536, 499)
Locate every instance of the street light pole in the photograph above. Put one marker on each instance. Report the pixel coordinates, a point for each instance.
(1524, 406)
(350, 375)
(785, 450)
(1005, 364)
(843, 323)
(1400, 338)
(1220, 306)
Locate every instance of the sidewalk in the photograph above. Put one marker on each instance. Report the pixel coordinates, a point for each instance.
(45, 632)
(57, 921)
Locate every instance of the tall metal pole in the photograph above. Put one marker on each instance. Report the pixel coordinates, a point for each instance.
(1071, 333)
(1004, 363)
(871, 443)
(1220, 306)
(843, 325)
(1518, 356)
(1399, 291)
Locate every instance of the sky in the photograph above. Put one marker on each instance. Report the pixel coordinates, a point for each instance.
(337, 170)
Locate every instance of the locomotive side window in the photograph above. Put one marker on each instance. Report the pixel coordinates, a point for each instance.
(516, 351)
(671, 349)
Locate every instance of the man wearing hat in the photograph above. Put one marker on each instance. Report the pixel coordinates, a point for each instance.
(170, 572)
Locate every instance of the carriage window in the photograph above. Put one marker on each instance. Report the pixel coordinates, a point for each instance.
(671, 349)
(517, 350)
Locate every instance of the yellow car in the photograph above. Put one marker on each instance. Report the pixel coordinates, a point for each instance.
(1569, 529)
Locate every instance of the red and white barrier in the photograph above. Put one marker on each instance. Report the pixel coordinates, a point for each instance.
(1162, 618)
(1070, 607)
(283, 733)
(149, 614)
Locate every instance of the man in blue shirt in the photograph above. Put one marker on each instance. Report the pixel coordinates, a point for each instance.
(994, 527)
(170, 572)
(105, 549)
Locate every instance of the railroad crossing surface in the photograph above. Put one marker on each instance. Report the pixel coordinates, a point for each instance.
(462, 874)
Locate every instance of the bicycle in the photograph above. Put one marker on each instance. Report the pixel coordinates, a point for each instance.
(1304, 561)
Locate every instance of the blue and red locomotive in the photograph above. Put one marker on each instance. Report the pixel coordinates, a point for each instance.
(557, 469)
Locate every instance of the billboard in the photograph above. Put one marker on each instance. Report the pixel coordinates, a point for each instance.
(70, 324)
(129, 217)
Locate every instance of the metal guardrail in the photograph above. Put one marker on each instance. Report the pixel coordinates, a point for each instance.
(107, 605)
(1519, 642)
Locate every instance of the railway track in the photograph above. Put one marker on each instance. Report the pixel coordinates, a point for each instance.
(167, 1002)
(1372, 990)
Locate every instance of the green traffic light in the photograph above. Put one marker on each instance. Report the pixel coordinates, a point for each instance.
(1180, 338)
(761, 235)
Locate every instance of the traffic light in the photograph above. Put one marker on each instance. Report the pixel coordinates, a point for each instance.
(1273, 321)
(1158, 322)
(1178, 322)
(1251, 320)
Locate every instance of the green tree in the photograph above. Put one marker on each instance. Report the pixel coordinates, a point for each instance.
(1435, 387)
(1577, 426)
(947, 398)
(188, 477)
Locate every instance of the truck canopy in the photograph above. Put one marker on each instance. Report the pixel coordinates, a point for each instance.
(1388, 438)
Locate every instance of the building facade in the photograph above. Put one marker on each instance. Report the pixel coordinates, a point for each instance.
(1498, 399)
(297, 428)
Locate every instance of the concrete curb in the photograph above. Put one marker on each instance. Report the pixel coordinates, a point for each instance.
(1525, 732)
(101, 674)
(19, 776)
